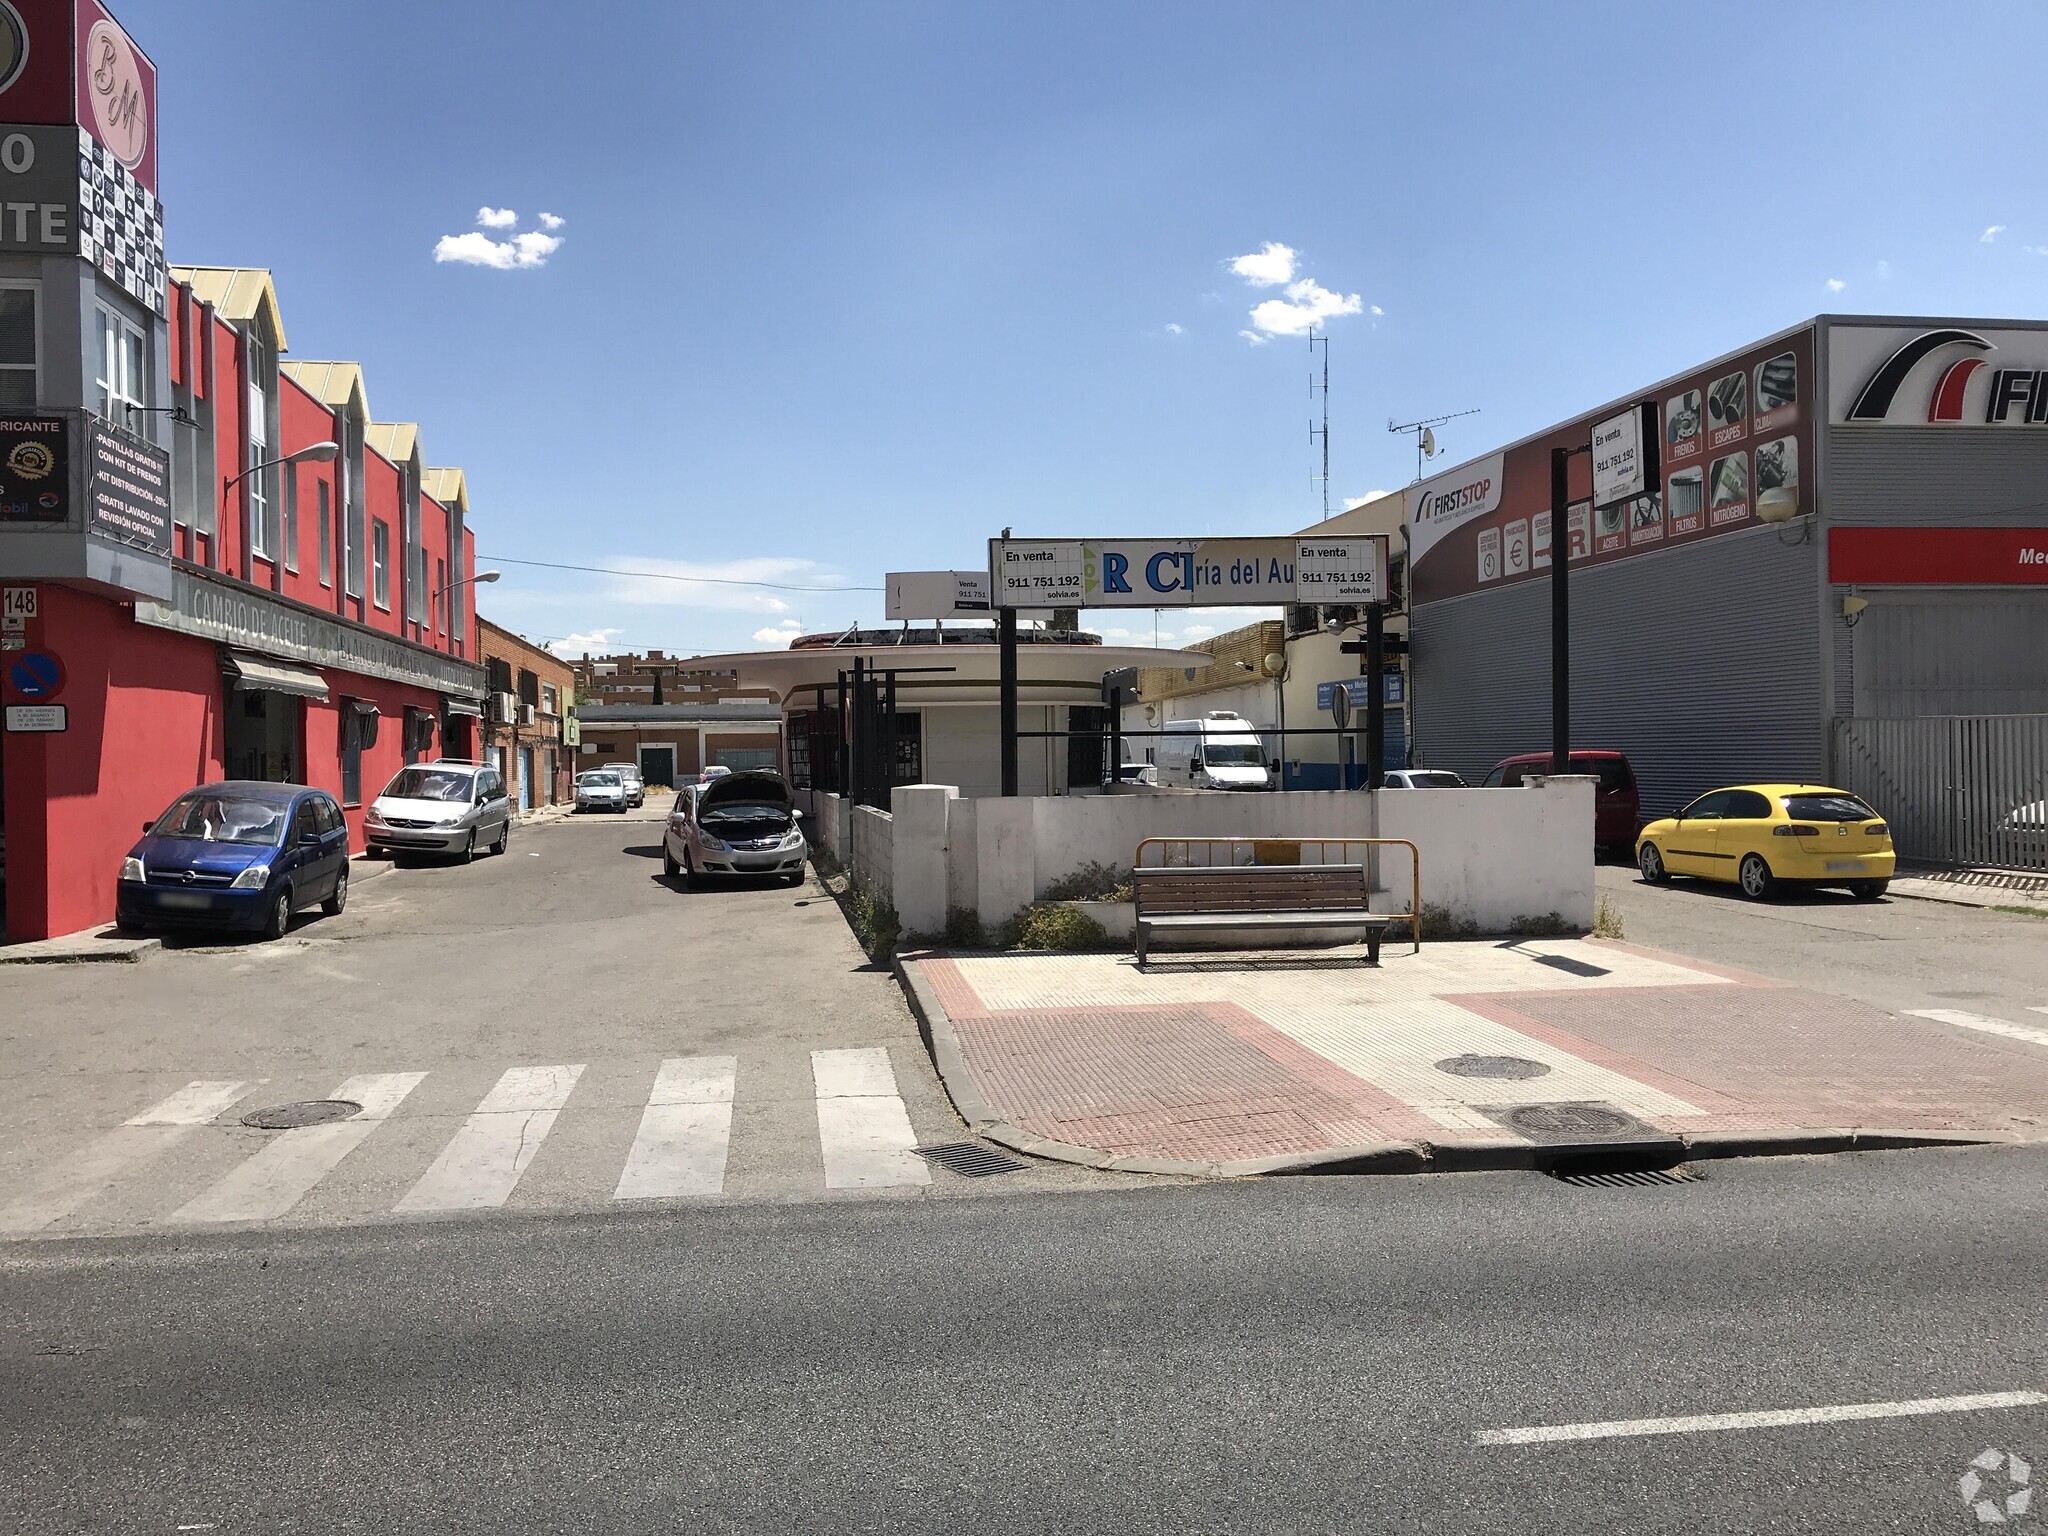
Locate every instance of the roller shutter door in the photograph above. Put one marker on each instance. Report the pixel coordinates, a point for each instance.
(1702, 663)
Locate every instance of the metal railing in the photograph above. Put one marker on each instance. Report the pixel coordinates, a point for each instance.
(1290, 852)
(1955, 789)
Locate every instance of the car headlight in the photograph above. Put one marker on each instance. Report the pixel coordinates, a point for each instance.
(131, 869)
(371, 818)
(793, 840)
(254, 878)
(711, 843)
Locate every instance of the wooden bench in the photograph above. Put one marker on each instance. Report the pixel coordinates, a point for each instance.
(1256, 896)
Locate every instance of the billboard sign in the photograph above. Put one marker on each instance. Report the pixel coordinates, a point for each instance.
(1624, 452)
(1930, 374)
(35, 469)
(1187, 573)
(70, 63)
(1724, 435)
(127, 488)
(935, 594)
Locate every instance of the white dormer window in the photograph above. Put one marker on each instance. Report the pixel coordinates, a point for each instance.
(258, 479)
(121, 381)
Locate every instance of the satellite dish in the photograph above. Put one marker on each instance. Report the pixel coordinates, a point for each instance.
(1428, 443)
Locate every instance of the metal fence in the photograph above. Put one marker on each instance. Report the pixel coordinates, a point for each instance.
(1956, 789)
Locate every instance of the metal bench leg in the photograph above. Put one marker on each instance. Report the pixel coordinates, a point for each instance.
(1142, 933)
(1372, 948)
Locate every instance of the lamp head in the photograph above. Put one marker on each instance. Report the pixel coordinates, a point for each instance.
(314, 453)
(1777, 505)
(487, 575)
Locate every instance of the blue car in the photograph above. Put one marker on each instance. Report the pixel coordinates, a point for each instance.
(239, 855)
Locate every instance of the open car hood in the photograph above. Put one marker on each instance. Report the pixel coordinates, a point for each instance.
(738, 791)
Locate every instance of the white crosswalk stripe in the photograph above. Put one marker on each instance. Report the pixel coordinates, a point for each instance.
(1983, 1023)
(684, 1133)
(135, 1143)
(274, 1180)
(483, 1163)
(2037, 1007)
(863, 1127)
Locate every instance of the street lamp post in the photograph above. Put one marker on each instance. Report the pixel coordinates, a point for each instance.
(312, 453)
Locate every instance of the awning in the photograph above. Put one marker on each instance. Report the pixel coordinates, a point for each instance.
(364, 707)
(263, 674)
(461, 707)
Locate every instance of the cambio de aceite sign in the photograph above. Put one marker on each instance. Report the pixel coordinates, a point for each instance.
(1187, 573)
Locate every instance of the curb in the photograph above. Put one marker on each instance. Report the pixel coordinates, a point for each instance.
(1452, 1154)
(130, 954)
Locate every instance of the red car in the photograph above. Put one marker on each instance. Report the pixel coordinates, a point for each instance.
(1617, 808)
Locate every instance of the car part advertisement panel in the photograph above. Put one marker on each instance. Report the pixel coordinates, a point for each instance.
(1731, 435)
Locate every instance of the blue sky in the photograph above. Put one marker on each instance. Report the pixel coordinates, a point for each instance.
(847, 288)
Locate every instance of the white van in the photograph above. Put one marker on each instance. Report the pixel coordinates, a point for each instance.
(1218, 751)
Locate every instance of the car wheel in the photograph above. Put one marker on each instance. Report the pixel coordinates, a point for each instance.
(1755, 877)
(1651, 863)
(128, 928)
(504, 836)
(691, 878)
(669, 866)
(280, 915)
(468, 850)
(332, 905)
(1870, 890)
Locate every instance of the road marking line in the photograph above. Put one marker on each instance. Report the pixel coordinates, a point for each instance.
(684, 1133)
(1841, 1413)
(483, 1162)
(2037, 1008)
(863, 1127)
(193, 1104)
(274, 1180)
(136, 1142)
(1982, 1022)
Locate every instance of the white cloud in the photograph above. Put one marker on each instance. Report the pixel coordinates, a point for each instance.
(1253, 337)
(779, 636)
(1172, 635)
(1991, 234)
(1175, 328)
(698, 584)
(1268, 268)
(598, 642)
(1359, 501)
(1307, 304)
(1836, 285)
(476, 249)
(2035, 250)
(549, 221)
(1375, 309)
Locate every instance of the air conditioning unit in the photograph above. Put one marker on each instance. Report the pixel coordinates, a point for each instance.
(504, 708)
(527, 714)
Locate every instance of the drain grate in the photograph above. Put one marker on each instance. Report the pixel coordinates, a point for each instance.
(971, 1159)
(1623, 1178)
(1517, 1068)
(289, 1117)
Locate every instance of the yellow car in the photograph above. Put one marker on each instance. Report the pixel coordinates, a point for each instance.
(1755, 835)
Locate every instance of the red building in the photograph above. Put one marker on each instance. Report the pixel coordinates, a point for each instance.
(215, 563)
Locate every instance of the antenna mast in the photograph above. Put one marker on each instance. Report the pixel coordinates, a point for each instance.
(1425, 435)
(1323, 431)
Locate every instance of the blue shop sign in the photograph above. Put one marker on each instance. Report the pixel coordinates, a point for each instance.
(1361, 695)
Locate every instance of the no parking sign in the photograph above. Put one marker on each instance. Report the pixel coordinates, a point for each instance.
(37, 675)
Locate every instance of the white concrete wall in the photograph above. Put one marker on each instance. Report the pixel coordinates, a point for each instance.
(1489, 855)
(873, 861)
(919, 859)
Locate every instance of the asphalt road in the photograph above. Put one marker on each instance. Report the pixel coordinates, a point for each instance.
(572, 951)
(1898, 953)
(1290, 1355)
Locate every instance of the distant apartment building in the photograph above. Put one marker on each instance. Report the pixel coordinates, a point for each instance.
(655, 678)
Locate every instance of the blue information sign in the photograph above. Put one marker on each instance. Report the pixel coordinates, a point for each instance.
(37, 675)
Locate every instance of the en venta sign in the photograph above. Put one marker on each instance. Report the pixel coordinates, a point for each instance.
(1187, 573)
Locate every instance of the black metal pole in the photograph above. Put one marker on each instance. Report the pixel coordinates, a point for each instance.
(1006, 641)
(1375, 693)
(1560, 612)
(889, 734)
(1116, 736)
(841, 753)
(856, 738)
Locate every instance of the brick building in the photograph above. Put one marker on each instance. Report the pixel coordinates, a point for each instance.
(529, 724)
(654, 678)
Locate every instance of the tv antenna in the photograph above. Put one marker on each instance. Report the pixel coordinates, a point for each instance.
(1425, 435)
(1323, 432)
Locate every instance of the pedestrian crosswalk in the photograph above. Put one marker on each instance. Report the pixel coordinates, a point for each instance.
(682, 1145)
(1986, 1024)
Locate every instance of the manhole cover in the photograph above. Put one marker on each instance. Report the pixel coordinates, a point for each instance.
(1569, 1122)
(1518, 1067)
(289, 1117)
(970, 1159)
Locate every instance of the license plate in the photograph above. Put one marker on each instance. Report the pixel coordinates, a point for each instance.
(1844, 866)
(185, 901)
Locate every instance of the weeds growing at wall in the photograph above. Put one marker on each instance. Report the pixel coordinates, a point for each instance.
(1545, 925)
(1607, 922)
(874, 921)
(1441, 922)
(965, 929)
(1049, 926)
(1091, 882)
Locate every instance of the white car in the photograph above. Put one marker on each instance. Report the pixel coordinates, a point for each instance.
(443, 807)
(1422, 778)
(737, 824)
(602, 789)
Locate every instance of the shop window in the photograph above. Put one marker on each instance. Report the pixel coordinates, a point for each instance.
(326, 534)
(380, 564)
(121, 382)
(18, 330)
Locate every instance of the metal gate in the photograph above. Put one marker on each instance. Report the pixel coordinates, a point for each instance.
(1956, 789)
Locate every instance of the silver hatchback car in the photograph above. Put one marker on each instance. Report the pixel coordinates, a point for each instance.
(444, 807)
(737, 824)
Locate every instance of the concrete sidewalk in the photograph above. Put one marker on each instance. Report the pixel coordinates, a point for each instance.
(1477, 1054)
